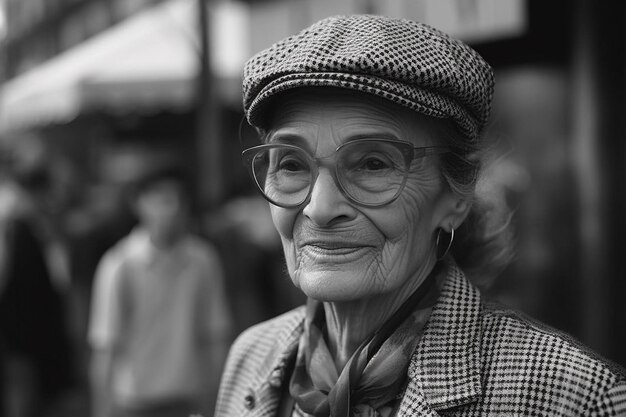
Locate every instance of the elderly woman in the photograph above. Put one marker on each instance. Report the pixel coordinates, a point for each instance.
(370, 154)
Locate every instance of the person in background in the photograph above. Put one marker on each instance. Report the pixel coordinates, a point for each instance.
(35, 349)
(160, 324)
(370, 133)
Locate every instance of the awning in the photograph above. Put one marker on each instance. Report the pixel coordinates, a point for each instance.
(145, 64)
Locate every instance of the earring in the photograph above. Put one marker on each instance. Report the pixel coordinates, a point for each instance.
(448, 246)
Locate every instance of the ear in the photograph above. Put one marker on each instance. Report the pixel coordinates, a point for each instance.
(453, 210)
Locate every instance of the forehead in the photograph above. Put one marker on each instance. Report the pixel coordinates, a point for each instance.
(343, 115)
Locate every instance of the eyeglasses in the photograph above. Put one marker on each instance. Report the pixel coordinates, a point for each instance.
(369, 172)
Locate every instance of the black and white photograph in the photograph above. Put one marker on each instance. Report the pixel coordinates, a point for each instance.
(312, 208)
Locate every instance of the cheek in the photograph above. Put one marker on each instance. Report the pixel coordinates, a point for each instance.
(409, 227)
(412, 213)
(284, 220)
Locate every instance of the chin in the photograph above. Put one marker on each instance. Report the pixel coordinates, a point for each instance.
(332, 286)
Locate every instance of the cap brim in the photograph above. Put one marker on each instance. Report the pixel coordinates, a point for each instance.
(422, 101)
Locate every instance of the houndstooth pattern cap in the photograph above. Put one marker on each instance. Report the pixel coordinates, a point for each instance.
(400, 60)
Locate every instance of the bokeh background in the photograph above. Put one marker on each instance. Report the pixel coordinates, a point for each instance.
(96, 92)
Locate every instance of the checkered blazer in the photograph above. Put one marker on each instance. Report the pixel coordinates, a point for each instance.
(474, 359)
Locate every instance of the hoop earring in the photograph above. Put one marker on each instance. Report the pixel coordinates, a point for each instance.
(440, 257)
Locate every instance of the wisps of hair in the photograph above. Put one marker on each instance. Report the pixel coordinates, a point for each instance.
(484, 244)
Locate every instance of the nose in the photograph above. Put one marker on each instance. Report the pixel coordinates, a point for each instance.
(327, 205)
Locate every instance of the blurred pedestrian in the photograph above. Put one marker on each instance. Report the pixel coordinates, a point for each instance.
(34, 340)
(160, 325)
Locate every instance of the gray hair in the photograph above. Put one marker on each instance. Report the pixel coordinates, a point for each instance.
(483, 245)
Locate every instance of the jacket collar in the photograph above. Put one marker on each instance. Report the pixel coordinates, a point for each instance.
(445, 368)
(444, 371)
(274, 371)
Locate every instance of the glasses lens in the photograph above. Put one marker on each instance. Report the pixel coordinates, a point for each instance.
(283, 173)
(372, 172)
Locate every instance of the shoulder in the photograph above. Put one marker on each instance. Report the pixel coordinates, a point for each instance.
(254, 355)
(520, 351)
(516, 331)
(262, 339)
(114, 259)
(20, 233)
(116, 253)
(200, 249)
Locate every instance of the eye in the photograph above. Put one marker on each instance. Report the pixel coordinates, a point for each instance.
(292, 163)
(373, 163)
(373, 157)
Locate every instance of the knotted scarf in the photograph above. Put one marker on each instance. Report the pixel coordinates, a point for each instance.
(374, 374)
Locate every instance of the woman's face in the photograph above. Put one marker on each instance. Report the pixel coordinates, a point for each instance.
(337, 250)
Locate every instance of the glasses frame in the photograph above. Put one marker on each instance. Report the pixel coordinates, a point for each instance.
(409, 152)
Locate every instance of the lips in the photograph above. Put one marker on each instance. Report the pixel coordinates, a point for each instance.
(332, 245)
(336, 250)
(333, 249)
(331, 242)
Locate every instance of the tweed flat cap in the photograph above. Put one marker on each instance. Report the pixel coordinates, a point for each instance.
(400, 60)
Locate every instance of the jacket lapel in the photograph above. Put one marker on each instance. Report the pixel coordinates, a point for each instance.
(265, 390)
(445, 369)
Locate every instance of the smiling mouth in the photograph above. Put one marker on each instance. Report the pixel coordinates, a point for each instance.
(330, 249)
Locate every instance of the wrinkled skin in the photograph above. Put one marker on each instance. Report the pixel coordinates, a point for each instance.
(337, 250)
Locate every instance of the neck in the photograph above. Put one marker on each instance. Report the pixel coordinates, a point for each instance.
(165, 240)
(350, 323)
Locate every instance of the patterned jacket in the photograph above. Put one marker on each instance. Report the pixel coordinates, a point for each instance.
(474, 359)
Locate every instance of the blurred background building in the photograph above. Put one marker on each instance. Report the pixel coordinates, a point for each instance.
(116, 86)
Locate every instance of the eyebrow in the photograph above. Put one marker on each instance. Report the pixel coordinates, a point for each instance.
(286, 138)
(289, 138)
(372, 135)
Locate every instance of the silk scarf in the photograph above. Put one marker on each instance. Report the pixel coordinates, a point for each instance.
(373, 376)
